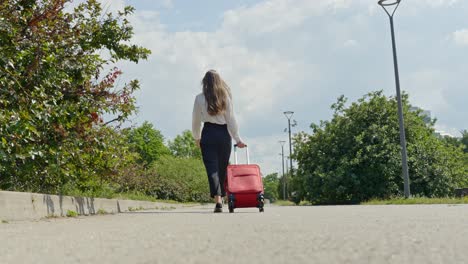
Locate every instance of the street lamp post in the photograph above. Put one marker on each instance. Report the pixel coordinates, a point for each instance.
(396, 3)
(287, 157)
(288, 115)
(282, 164)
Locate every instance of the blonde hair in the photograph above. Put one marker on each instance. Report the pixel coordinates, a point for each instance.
(216, 92)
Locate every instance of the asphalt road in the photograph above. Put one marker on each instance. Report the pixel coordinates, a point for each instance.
(335, 234)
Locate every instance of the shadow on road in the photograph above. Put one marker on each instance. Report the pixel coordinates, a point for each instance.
(185, 212)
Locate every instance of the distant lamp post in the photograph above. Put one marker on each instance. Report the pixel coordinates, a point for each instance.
(288, 115)
(387, 4)
(282, 164)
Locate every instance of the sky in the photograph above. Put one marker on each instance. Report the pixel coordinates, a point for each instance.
(295, 55)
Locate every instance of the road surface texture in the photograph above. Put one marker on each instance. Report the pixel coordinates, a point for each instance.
(334, 234)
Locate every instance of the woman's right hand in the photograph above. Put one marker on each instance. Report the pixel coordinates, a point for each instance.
(241, 144)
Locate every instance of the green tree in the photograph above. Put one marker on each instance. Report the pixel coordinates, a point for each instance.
(464, 140)
(148, 142)
(54, 92)
(271, 184)
(456, 142)
(184, 146)
(356, 155)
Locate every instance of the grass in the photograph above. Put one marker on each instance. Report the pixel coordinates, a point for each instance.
(102, 212)
(109, 192)
(395, 201)
(134, 209)
(143, 197)
(167, 208)
(177, 202)
(71, 213)
(134, 196)
(137, 196)
(163, 208)
(284, 203)
(417, 200)
(51, 216)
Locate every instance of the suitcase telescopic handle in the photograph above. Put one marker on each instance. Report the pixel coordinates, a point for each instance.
(246, 151)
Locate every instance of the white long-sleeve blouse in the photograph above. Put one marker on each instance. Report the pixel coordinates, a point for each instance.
(200, 114)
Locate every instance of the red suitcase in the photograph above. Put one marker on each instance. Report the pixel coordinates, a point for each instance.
(244, 186)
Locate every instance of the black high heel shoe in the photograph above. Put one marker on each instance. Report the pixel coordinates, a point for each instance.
(218, 208)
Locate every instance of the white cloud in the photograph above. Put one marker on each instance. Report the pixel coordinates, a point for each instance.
(427, 89)
(167, 3)
(447, 131)
(429, 3)
(106, 5)
(437, 3)
(255, 49)
(259, 78)
(276, 15)
(461, 37)
(351, 43)
(413, 7)
(266, 151)
(112, 5)
(119, 5)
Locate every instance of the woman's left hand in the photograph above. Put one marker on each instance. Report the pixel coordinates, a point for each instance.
(197, 142)
(241, 144)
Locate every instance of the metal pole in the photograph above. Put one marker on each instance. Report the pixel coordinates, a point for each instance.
(284, 179)
(404, 156)
(290, 146)
(288, 115)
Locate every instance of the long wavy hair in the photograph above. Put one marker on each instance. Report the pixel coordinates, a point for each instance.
(216, 92)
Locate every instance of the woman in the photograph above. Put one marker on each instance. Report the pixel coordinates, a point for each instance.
(214, 108)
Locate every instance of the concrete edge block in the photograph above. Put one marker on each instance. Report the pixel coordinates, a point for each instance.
(18, 206)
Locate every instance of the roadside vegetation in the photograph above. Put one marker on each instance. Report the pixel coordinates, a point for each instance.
(63, 110)
(71, 213)
(62, 107)
(390, 201)
(418, 200)
(354, 158)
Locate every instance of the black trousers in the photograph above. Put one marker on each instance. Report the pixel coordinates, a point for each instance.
(216, 149)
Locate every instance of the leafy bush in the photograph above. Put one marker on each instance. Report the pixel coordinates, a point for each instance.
(54, 96)
(356, 156)
(271, 185)
(180, 179)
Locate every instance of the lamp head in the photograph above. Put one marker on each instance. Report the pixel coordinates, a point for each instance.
(387, 5)
(289, 114)
(389, 2)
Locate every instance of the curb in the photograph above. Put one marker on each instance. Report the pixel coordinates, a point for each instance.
(18, 206)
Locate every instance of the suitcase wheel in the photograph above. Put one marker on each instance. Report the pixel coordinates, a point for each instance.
(231, 200)
(261, 202)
